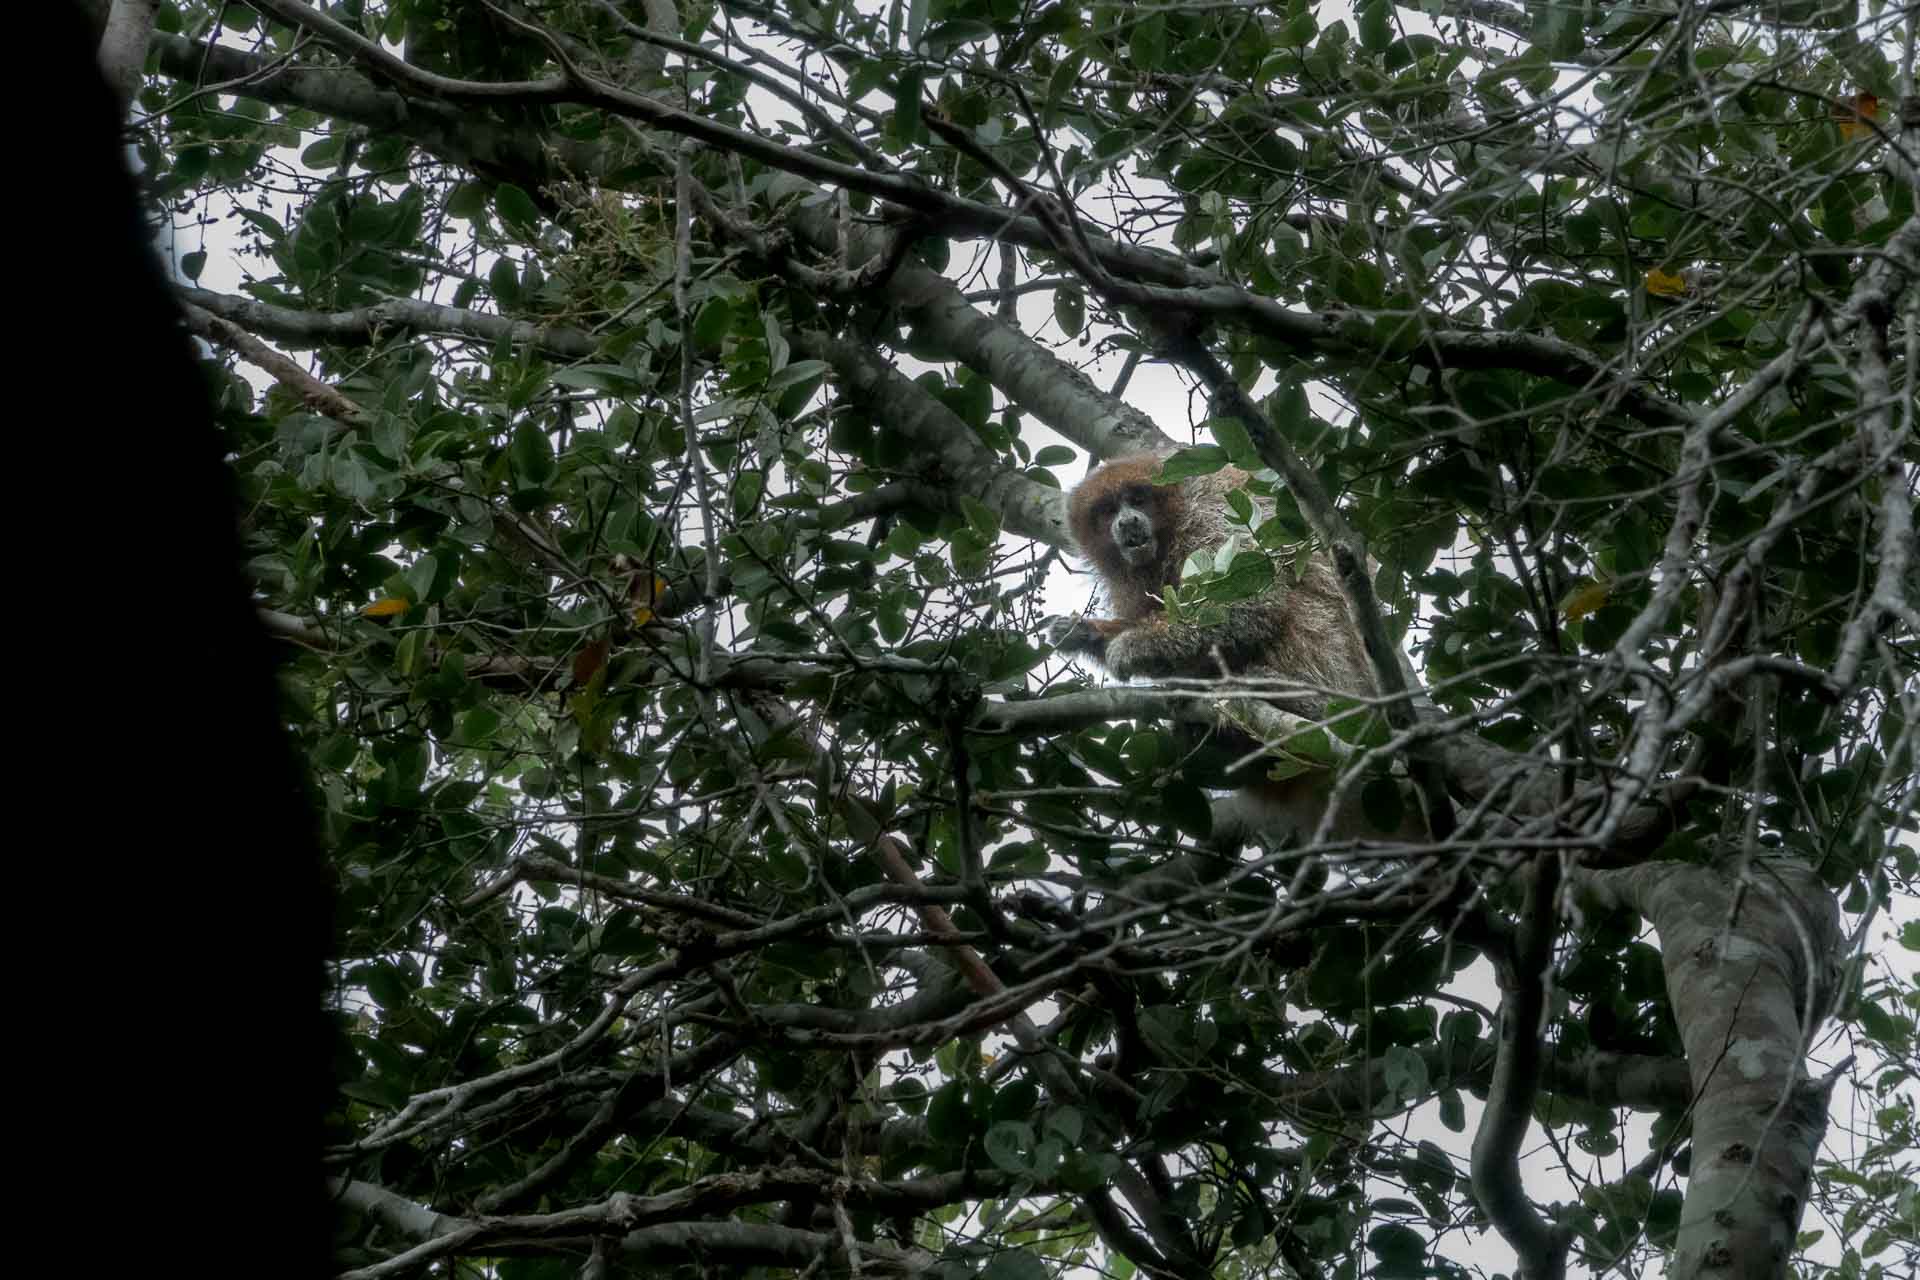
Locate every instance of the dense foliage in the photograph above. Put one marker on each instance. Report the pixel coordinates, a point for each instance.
(657, 514)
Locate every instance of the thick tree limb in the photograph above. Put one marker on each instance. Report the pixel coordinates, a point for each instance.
(1031, 375)
(960, 460)
(123, 46)
(319, 396)
(1750, 961)
(406, 316)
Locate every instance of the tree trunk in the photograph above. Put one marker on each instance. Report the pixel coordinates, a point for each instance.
(1747, 963)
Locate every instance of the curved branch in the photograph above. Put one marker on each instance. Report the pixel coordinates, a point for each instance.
(317, 395)
(1518, 1065)
(963, 463)
(363, 325)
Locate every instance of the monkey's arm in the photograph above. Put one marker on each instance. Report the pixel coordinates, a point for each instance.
(1155, 648)
(1089, 636)
(1244, 641)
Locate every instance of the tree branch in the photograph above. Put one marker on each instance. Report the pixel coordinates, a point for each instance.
(959, 461)
(123, 47)
(1517, 1069)
(1750, 963)
(371, 324)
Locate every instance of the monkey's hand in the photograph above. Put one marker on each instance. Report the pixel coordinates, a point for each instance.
(1082, 635)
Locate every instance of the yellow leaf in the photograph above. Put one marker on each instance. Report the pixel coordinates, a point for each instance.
(646, 592)
(645, 595)
(387, 607)
(1666, 284)
(1852, 115)
(1584, 601)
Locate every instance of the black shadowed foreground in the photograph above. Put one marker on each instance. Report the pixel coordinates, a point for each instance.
(181, 1075)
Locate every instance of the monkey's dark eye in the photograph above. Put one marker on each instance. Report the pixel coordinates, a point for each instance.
(1139, 495)
(1103, 508)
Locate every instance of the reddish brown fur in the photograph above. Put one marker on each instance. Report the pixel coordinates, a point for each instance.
(1299, 630)
(1134, 595)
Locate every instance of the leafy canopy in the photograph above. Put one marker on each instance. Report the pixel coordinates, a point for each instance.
(658, 508)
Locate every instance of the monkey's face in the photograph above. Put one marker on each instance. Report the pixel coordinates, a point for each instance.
(1136, 523)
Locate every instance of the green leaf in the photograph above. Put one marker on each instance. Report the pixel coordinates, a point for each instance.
(906, 126)
(388, 986)
(1312, 745)
(711, 325)
(1007, 1144)
(1405, 1073)
(909, 1094)
(324, 154)
(532, 455)
(981, 518)
(516, 208)
(949, 1118)
(1402, 1251)
(1197, 460)
(1065, 78)
(747, 488)
(1250, 576)
(798, 373)
(944, 37)
(1288, 410)
(1147, 46)
(1070, 311)
(1231, 435)
(1353, 724)
(423, 577)
(612, 379)
(1187, 806)
(1432, 1166)
(1376, 24)
(504, 280)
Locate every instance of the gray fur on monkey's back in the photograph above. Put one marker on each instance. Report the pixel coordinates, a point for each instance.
(1298, 630)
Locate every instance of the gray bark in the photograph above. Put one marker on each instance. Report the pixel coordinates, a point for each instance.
(123, 47)
(1749, 961)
